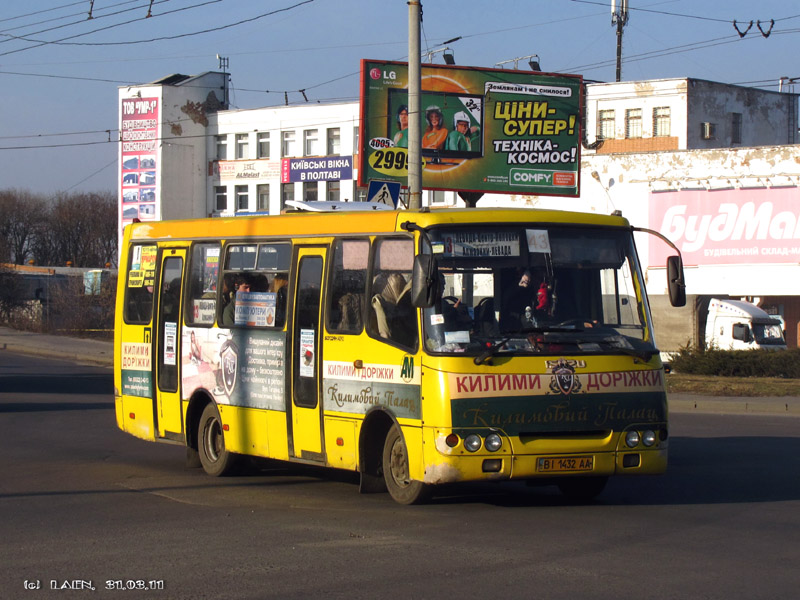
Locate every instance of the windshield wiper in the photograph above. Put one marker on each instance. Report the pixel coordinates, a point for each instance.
(491, 350)
(497, 346)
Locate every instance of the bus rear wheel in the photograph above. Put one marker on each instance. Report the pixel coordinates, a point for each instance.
(401, 487)
(216, 461)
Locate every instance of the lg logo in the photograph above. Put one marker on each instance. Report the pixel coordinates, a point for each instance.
(376, 73)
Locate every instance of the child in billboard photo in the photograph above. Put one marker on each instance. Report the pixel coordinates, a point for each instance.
(463, 134)
(435, 135)
(458, 140)
(401, 137)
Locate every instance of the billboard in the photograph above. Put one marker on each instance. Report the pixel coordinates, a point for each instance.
(727, 227)
(139, 168)
(483, 130)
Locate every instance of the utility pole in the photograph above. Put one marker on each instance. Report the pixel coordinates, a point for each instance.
(619, 17)
(414, 115)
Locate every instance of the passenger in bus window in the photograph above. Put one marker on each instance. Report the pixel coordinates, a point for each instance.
(260, 283)
(279, 286)
(228, 287)
(242, 283)
(393, 310)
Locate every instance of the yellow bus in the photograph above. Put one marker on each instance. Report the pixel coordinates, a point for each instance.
(416, 348)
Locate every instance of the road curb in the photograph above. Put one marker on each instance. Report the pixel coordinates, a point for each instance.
(788, 406)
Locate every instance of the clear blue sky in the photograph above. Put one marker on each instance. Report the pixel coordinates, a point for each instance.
(60, 70)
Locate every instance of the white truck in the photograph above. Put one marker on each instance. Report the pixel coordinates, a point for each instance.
(740, 325)
(712, 321)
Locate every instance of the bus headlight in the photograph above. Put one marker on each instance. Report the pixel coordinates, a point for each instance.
(493, 442)
(632, 439)
(649, 438)
(472, 442)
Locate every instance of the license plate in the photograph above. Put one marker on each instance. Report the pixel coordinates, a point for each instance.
(557, 464)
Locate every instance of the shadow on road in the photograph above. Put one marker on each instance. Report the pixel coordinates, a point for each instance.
(21, 407)
(70, 383)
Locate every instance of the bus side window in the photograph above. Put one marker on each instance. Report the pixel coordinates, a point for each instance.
(203, 274)
(139, 285)
(348, 286)
(392, 317)
(255, 274)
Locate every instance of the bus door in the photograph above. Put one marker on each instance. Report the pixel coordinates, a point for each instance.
(306, 422)
(168, 345)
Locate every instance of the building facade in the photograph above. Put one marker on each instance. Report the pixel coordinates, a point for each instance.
(687, 114)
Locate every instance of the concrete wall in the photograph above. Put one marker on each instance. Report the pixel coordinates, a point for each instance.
(768, 118)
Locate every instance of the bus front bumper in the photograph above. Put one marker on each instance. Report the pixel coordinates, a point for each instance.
(455, 465)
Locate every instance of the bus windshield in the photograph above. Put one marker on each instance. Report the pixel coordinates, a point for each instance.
(538, 290)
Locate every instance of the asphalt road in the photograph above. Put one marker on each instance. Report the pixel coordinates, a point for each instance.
(82, 502)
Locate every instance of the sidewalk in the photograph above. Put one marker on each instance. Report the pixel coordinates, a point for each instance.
(84, 351)
(97, 352)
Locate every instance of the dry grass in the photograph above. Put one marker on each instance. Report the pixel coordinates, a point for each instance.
(708, 385)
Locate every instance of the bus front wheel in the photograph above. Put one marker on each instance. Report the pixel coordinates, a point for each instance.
(215, 459)
(401, 487)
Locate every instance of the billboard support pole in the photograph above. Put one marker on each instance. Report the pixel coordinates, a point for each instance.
(414, 115)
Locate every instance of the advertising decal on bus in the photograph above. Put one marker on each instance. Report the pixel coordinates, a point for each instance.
(136, 369)
(530, 402)
(353, 390)
(253, 377)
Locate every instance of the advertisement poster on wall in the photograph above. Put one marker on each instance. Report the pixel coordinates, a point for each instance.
(727, 227)
(483, 130)
(138, 164)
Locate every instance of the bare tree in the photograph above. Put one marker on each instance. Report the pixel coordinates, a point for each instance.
(21, 214)
(80, 229)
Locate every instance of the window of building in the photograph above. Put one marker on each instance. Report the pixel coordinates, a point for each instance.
(708, 131)
(359, 193)
(287, 194)
(332, 192)
(633, 123)
(736, 128)
(262, 193)
(436, 197)
(262, 141)
(221, 198)
(334, 141)
(311, 142)
(288, 140)
(242, 199)
(242, 145)
(605, 124)
(661, 121)
(310, 191)
(355, 139)
(222, 147)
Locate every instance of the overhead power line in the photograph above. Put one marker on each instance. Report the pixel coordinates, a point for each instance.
(64, 42)
(79, 14)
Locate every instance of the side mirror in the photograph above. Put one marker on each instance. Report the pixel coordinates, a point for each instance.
(424, 281)
(675, 282)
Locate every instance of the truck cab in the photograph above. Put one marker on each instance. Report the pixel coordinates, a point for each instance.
(740, 325)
